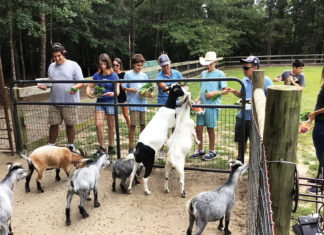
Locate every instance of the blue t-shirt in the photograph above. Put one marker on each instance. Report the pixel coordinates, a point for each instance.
(109, 87)
(163, 96)
(248, 88)
(132, 97)
(206, 87)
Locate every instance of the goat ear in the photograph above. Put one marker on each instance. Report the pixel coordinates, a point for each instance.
(81, 152)
(9, 164)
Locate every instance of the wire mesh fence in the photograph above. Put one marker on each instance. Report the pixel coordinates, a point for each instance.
(32, 118)
(259, 212)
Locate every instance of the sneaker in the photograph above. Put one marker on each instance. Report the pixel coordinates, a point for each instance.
(101, 151)
(161, 155)
(111, 150)
(130, 150)
(198, 154)
(211, 155)
(72, 149)
(313, 190)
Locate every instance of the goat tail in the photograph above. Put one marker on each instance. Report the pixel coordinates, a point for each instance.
(129, 157)
(190, 206)
(25, 156)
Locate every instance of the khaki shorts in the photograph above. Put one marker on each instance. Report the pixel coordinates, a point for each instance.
(56, 115)
(137, 117)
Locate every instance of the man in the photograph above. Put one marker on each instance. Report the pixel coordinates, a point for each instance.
(294, 77)
(166, 73)
(250, 64)
(63, 69)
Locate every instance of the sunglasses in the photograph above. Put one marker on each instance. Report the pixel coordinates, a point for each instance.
(116, 65)
(247, 68)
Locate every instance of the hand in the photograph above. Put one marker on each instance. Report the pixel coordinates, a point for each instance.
(229, 89)
(209, 95)
(111, 94)
(133, 90)
(42, 86)
(90, 95)
(311, 116)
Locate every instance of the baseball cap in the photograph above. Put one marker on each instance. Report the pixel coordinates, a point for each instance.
(164, 60)
(251, 59)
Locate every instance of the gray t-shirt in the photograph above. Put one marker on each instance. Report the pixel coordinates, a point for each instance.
(69, 70)
(299, 79)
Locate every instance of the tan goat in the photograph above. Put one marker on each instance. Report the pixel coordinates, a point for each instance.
(49, 157)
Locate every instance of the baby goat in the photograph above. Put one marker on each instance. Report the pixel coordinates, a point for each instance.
(180, 142)
(154, 135)
(214, 205)
(47, 157)
(122, 168)
(82, 181)
(15, 173)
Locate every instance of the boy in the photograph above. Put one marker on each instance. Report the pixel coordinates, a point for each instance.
(208, 91)
(137, 113)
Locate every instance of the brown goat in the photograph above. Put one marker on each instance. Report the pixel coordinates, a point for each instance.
(49, 157)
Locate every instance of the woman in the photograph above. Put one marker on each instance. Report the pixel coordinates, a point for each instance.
(105, 73)
(122, 98)
(318, 132)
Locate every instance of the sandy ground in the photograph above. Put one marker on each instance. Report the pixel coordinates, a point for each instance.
(159, 213)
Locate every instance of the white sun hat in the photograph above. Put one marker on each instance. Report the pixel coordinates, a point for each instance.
(210, 57)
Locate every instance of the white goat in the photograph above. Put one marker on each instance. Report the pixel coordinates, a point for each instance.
(214, 205)
(15, 173)
(48, 157)
(82, 181)
(180, 142)
(154, 135)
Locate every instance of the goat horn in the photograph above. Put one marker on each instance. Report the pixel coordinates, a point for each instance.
(81, 152)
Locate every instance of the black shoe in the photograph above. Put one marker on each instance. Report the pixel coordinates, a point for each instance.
(111, 150)
(72, 149)
(198, 154)
(101, 151)
(210, 156)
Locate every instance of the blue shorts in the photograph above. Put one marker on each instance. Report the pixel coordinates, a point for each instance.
(209, 118)
(106, 109)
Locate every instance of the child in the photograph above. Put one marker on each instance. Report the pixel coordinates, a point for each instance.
(137, 113)
(208, 91)
(105, 73)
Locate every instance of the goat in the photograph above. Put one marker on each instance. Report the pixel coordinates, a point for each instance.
(122, 168)
(180, 142)
(82, 181)
(49, 157)
(154, 135)
(15, 173)
(214, 205)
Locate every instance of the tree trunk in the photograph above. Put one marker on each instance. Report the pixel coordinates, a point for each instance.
(42, 51)
(23, 71)
(270, 26)
(17, 64)
(132, 28)
(11, 45)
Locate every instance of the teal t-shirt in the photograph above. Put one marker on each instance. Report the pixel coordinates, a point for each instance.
(207, 87)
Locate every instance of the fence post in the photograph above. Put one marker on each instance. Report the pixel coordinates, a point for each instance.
(280, 140)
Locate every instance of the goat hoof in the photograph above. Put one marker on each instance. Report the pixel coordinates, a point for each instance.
(114, 189)
(227, 232)
(220, 227)
(183, 195)
(148, 192)
(97, 204)
(166, 190)
(129, 191)
(27, 190)
(57, 178)
(68, 222)
(40, 190)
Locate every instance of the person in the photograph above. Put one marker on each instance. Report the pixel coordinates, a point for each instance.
(210, 93)
(105, 73)
(294, 77)
(250, 64)
(318, 131)
(166, 73)
(122, 98)
(137, 113)
(63, 69)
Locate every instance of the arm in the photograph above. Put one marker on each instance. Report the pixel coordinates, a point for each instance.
(224, 91)
(313, 114)
(235, 92)
(292, 81)
(163, 86)
(277, 79)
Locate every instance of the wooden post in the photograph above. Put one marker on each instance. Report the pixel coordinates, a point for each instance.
(280, 140)
(258, 97)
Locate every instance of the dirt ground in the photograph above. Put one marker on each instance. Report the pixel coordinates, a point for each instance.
(159, 213)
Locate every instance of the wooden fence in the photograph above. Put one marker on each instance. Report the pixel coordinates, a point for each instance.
(267, 60)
